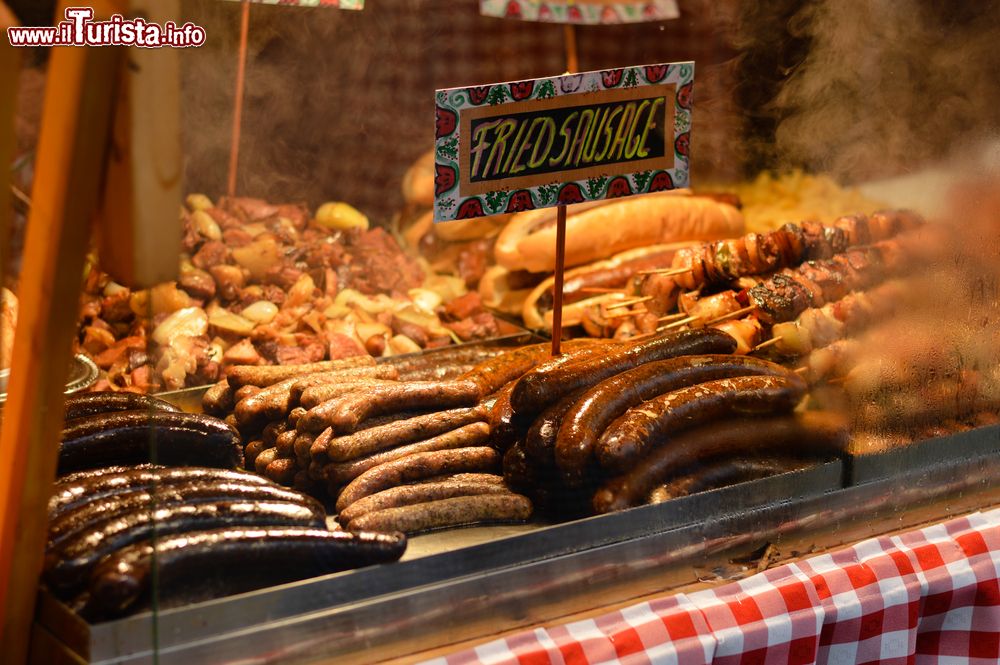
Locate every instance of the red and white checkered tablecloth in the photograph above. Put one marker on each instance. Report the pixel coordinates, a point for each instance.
(927, 596)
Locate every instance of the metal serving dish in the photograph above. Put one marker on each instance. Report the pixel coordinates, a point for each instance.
(82, 374)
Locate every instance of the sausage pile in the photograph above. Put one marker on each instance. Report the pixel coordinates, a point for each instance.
(401, 446)
(114, 513)
(606, 424)
(269, 284)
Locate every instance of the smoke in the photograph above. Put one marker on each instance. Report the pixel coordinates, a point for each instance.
(887, 86)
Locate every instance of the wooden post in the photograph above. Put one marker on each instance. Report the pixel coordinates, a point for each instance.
(572, 65)
(70, 159)
(139, 236)
(10, 69)
(241, 67)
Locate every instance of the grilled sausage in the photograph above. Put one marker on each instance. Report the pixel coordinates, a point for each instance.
(236, 560)
(264, 458)
(390, 435)
(241, 393)
(490, 375)
(293, 417)
(313, 396)
(281, 471)
(218, 399)
(629, 437)
(815, 433)
(285, 443)
(407, 495)
(540, 441)
(81, 476)
(85, 516)
(267, 375)
(344, 414)
(77, 488)
(455, 511)
(416, 467)
(535, 390)
(591, 414)
(93, 404)
(504, 433)
(722, 473)
(67, 566)
(271, 403)
(148, 436)
(269, 435)
(250, 452)
(342, 377)
(473, 434)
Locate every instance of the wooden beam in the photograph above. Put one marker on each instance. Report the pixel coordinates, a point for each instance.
(10, 70)
(69, 164)
(139, 233)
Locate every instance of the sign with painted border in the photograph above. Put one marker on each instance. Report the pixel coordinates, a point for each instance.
(582, 12)
(336, 4)
(522, 145)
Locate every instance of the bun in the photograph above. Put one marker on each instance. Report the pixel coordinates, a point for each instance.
(597, 230)
(418, 182)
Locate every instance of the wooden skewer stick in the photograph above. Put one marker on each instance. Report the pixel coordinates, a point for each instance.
(801, 370)
(732, 315)
(600, 289)
(623, 314)
(678, 324)
(629, 303)
(667, 272)
(672, 317)
(767, 343)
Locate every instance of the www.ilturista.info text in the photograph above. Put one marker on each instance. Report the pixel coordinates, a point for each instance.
(80, 29)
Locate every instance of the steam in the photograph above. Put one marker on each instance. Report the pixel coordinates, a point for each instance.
(888, 86)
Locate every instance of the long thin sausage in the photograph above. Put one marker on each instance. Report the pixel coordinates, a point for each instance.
(344, 414)
(536, 390)
(417, 467)
(407, 495)
(462, 510)
(375, 439)
(813, 433)
(595, 410)
(650, 424)
(473, 434)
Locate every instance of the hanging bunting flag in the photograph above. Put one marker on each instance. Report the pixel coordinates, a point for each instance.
(337, 4)
(583, 12)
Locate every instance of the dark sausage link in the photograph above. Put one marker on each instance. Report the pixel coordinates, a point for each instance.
(648, 425)
(78, 488)
(722, 473)
(537, 389)
(147, 436)
(815, 434)
(275, 555)
(584, 423)
(92, 404)
(67, 567)
(85, 516)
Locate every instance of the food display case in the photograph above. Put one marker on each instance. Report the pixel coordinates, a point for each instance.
(407, 373)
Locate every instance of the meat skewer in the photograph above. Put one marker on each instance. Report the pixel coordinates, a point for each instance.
(755, 253)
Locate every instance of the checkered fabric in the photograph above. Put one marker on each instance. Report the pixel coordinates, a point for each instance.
(927, 596)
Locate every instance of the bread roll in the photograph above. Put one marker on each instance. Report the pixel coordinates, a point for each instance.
(598, 230)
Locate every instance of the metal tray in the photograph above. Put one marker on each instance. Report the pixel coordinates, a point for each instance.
(433, 559)
(983, 441)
